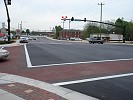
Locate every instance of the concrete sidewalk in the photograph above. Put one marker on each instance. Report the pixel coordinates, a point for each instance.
(22, 88)
(8, 96)
(17, 43)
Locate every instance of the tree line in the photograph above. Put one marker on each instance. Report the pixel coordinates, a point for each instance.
(91, 28)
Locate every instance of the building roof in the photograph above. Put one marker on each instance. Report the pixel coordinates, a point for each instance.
(72, 30)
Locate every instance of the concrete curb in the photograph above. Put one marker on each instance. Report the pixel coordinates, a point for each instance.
(63, 92)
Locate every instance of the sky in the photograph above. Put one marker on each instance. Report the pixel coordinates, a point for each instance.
(44, 15)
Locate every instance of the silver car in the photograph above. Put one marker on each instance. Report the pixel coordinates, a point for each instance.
(3, 53)
(24, 39)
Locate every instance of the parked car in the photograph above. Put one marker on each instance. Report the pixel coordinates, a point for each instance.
(75, 39)
(72, 39)
(78, 39)
(3, 53)
(96, 40)
(24, 39)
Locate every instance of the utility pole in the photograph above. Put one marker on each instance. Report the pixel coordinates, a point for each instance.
(63, 23)
(69, 23)
(64, 18)
(8, 2)
(101, 4)
(21, 26)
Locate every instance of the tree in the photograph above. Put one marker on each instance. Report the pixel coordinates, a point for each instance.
(58, 29)
(129, 30)
(119, 22)
(108, 28)
(27, 31)
(90, 28)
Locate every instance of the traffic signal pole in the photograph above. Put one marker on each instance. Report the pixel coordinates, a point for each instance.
(8, 20)
(85, 20)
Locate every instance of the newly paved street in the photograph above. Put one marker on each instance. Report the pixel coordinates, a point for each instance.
(109, 89)
(57, 62)
(47, 52)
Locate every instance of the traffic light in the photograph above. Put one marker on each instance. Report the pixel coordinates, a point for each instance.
(84, 19)
(72, 19)
(8, 2)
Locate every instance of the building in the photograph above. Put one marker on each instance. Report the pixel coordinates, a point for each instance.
(2, 37)
(3, 29)
(67, 34)
(109, 37)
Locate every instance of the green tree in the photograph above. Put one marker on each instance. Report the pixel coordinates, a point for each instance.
(128, 28)
(90, 28)
(58, 29)
(27, 31)
(119, 22)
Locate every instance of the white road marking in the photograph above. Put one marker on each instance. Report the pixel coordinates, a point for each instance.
(27, 56)
(93, 79)
(57, 90)
(29, 65)
(73, 63)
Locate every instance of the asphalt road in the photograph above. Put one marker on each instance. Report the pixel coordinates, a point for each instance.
(109, 89)
(45, 52)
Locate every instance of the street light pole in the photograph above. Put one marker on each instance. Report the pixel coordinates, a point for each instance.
(63, 23)
(8, 20)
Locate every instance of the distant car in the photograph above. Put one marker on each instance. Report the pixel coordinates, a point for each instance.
(78, 39)
(33, 38)
(75, 39)
(96, 40)
(24, 39)
(30, 38)
(72, 39)
(3, 53)
(88, 39)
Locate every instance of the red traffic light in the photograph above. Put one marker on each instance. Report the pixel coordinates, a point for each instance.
(64, 17)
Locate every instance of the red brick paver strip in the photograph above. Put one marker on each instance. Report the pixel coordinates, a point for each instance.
(16, 64)
(29, 92)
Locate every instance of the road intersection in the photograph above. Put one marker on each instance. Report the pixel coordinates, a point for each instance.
(74, 63)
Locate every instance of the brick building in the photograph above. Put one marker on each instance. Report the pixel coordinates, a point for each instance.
(67, 34)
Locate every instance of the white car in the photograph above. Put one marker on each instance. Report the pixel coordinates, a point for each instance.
(78, 39)
(3, 53)
(24, 39)
(75, 39)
